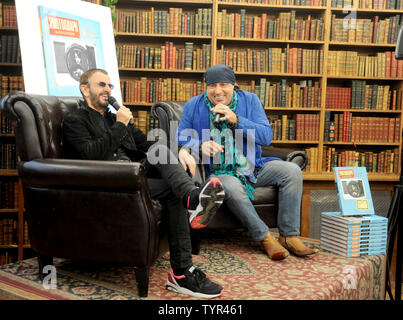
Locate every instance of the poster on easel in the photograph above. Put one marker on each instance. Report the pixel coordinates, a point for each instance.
(71, 46)
(59, 40)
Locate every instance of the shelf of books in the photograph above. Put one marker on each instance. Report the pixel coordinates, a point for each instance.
(323, 69)
(13, 229)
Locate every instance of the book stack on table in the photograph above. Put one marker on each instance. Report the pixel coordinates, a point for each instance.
(356, 230)
(353, 236)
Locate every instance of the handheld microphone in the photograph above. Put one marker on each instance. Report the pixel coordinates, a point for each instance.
(217, 119)
(113, 102)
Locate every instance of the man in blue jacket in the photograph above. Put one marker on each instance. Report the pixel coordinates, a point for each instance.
(238, 162)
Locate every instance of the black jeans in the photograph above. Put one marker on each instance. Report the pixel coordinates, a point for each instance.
(169, 183)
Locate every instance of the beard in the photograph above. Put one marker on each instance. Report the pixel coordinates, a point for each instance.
(97, 101)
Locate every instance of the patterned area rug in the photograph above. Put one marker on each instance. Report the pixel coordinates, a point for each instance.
(237, 263)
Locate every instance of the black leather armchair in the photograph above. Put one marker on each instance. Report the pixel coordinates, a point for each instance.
(81, 209)
(265, 201)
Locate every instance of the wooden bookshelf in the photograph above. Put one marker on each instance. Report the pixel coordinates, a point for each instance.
(323, 43)
(11, 198)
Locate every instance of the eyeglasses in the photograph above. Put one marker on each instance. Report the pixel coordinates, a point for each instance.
(103, 85)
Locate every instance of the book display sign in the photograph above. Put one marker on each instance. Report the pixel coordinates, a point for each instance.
(59, 40)
(353, 191)
(71, 46)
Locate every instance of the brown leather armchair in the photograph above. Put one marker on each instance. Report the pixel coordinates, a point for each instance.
(81, 209)
(265, 201)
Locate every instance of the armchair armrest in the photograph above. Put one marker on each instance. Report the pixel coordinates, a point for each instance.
(299, 157)
(108, 175)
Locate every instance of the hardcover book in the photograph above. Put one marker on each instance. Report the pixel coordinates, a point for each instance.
(353, 191)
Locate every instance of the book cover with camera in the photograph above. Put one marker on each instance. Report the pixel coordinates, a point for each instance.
(353, 191)
(71, 46)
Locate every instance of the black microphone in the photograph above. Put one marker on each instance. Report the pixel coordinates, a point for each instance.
(113, 102)
(217, 119)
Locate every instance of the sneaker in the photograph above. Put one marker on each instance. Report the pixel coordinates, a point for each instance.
(204, 202)
(193, 283)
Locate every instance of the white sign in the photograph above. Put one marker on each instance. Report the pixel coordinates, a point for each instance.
(61, 39)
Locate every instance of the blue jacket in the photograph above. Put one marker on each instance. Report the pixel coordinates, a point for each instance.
(251, 115)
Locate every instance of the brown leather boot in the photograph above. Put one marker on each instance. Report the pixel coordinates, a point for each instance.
(274, 249)
(296, 246)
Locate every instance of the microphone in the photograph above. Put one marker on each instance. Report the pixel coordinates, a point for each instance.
(217, 119)
(113, 102)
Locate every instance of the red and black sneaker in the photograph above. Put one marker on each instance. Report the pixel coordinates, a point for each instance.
(194, 283)
(204, 202)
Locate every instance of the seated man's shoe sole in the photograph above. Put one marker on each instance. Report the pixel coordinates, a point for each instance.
(210, 199)
(296, 246)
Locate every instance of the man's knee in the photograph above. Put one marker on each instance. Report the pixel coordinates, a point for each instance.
(232, 186)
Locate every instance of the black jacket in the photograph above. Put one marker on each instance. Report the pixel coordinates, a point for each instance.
(86, 136)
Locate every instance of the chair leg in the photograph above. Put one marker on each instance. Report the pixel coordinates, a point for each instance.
(195, 238)
(42, 262)
(142, 277)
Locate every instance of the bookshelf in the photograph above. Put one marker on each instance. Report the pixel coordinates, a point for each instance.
(299, 58)
(11, 200)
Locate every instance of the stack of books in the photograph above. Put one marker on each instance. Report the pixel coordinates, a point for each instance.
(353, 236)
(355, 230)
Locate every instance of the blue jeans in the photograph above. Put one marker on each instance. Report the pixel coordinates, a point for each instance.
(287, 176)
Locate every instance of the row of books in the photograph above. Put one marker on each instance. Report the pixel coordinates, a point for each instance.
(348, 128)
(368, 4)
(305, 127)
(9, 49)
(8, 16)
(284, 94)
(7, 257)
(143, 120)
(353, 236)
(8, 231)
(8, 156)
(147, 90)
(374, 30)
(386, 161)
(8, 194)
(273, 60)
(10, 84)
(313, 164)
(364, 96)
(351, 63)
(167, 56)
(311, 3)
(6, 125)
(172, 21)
(285, 26)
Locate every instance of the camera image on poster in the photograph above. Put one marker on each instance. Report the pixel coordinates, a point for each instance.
(71, 46)
(353, 189)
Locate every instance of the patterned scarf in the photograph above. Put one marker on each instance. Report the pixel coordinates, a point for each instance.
(237, 164)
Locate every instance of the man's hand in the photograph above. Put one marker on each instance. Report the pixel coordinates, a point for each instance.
(226, 112)
(210, 148)
(187, 161)
(124, 115)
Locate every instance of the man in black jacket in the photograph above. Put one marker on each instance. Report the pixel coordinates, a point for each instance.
(94, 133)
